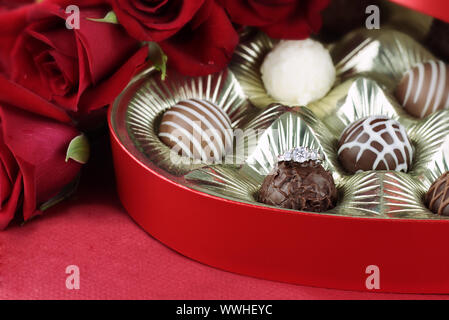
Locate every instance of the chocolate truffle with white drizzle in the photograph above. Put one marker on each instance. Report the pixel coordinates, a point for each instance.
(437, 198)
(424, 89)
(197, 129)
(375, 143)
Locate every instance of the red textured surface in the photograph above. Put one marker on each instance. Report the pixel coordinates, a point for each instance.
(118, 260)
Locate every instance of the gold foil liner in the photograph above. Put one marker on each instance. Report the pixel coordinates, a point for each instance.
(369, 64)
(381, 194)
(372, 63)
(438, 162)
(296, 127)
(366, 98)
(383, 55)
(246, 63)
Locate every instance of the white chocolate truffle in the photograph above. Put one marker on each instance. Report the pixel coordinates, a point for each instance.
(298, 72)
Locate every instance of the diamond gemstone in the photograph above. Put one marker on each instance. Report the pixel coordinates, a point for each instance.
(301, 154)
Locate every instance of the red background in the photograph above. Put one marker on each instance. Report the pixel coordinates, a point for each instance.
(118, 260)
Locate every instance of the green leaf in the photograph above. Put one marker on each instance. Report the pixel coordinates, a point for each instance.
(110, 17)
(79, 149)
(158, 57)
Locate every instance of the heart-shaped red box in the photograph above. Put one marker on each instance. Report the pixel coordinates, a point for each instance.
(409, 256)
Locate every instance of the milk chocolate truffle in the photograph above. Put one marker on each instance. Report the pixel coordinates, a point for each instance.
(424, 89)
(197, 129)
(375, 143)
(305, 186)
(437, 198)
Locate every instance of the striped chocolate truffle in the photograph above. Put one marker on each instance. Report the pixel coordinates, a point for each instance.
(437, 198)
(424, 89)
(375, 143)
(197, 129)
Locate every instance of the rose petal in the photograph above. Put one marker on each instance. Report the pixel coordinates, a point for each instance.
(9, 208)
(60, 65)
(206, 49)
(5, 185)
(14, 94)
(13, 22)
(275, 11)
(114, 48)
(39, 145)
(106, 91)
(144, 26)
(281, 19)
(243, 13)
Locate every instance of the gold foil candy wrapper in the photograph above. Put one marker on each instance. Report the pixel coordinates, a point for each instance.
(371, 71)
(369, 65)
(246, 63)
(296, 127)
(381, 194)
(383, 55)
(438, 162)
(366, 98)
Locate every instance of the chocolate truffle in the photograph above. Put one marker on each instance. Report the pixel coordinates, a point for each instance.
(305, 186)
(437, 39)
(298, 72)
(375, 143)
(197, 129)
(424, 89)
(437, 198)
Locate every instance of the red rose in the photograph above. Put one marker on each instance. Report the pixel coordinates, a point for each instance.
(281, 19)
(78, 70)
(13, 94)
(154, 20)
(33, 169)
(205, 45)
(12, 24)
(11, 4)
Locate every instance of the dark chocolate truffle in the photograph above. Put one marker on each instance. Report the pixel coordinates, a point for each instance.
(424, 89)
(375, 143)
(437, 39)
(197, 129)
(303, 186)
(437, 198)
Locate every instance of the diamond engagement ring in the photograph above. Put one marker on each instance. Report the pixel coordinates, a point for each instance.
(301, 154)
